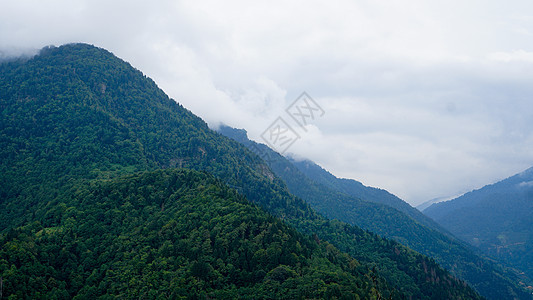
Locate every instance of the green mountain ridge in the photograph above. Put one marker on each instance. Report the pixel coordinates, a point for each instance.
(357, 189)
(497, 219)
(388, 216)
(76, 120)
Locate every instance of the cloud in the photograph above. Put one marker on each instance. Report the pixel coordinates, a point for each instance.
(526, 184)
(513, 56)
(424, 99)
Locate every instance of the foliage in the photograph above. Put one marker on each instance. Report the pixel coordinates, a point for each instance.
(383, 214)
(171, 234)
(76, 115)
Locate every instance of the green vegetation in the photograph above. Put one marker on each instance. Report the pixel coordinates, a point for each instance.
(76, 120)
(338, 199)
(356, 189)
(171, 234)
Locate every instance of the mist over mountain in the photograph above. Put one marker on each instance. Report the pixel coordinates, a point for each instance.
(428, 203)
(11, 53)
(498, 219)
(381, 212)
(357, 189)
(109, 188)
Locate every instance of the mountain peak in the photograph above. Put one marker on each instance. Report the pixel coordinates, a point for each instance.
(76, 116)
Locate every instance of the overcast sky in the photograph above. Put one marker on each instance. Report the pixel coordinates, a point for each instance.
(423, 98)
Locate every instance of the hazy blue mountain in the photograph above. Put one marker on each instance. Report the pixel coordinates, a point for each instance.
(497, 218)
(91, 203)
(428, 203)
(330, 196)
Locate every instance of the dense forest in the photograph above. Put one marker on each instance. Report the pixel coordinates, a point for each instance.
(172, 234)
(345, 200)
(86, 209)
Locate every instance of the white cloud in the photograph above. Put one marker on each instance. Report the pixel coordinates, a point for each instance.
(526, 184)
(425, 99)
(513, 56)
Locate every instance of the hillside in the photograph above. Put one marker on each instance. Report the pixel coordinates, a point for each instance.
(76, 115)
(498, 219)
(385, 214)
(172, 234)
(357, 189)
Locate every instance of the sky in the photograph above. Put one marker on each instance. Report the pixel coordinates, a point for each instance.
(423, 98)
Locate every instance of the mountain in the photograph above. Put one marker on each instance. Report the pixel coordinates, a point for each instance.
(428, 203)
(192, 237)
(383, 213)
(357, 189)
(498, 219)
(89, 148)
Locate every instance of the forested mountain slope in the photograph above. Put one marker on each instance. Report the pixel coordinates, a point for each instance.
(336, 198)
(357, 189)
(172, 234)
(75, 116)
(497, 218)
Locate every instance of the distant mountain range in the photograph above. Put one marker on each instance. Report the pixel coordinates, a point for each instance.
(428, 203)
(381, 212)
(498, 219)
